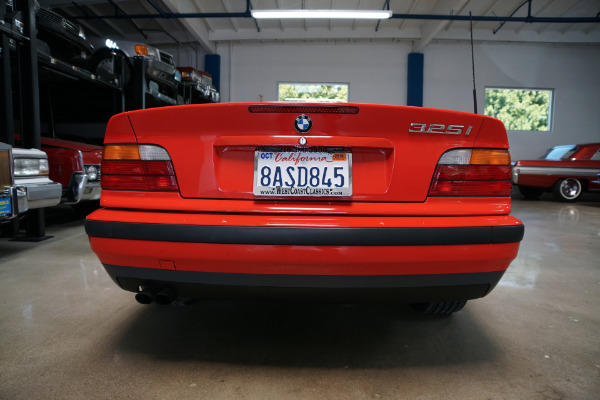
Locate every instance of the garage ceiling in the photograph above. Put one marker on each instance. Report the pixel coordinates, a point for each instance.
(162, 22)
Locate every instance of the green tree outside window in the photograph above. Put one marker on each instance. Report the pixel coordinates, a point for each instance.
(313, 92)
(520, 109)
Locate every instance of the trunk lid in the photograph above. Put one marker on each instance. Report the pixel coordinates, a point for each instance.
(394, 150)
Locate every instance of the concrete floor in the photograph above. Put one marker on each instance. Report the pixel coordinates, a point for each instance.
(68, 332)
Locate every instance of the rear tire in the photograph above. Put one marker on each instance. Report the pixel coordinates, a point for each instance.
(440, 307)
(531, 192)
(567, 190)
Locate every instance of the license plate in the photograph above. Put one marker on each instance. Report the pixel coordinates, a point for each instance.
(302, 173)
(5, 207)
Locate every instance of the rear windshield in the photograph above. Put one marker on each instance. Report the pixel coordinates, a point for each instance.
(560, 152)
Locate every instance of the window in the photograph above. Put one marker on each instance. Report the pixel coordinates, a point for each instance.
(558, 153)
(313, 92)
(520, 109)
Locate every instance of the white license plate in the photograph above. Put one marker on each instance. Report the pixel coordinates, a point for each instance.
(302, 173)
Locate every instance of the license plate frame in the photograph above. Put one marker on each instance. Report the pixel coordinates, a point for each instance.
(302, 173)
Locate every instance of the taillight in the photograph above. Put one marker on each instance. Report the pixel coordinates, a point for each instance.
(472, 172)
(137, 167)
(298, 109)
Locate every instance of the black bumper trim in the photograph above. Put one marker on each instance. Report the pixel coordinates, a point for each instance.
(411, 288)
(303, 236)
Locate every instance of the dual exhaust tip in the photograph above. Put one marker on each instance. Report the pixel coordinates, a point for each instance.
(163, 297)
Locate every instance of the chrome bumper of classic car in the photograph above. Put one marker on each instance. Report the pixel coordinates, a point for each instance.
(553, 171)
(37, 195)
(161, 71)
(80, 188)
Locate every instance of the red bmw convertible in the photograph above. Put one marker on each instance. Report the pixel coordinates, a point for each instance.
(340, 202)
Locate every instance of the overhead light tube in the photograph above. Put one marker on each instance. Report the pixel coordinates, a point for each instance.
(321, 14)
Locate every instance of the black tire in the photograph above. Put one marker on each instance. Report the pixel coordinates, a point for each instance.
(567, 190)
(101, 64)
(440, 307)
(531, 192)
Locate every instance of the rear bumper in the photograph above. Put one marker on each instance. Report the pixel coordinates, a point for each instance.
(381, 258)
(349, 289)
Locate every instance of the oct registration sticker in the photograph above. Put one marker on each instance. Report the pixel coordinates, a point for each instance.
(302, 173)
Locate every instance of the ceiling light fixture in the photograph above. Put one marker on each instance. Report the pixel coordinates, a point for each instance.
(321, 14)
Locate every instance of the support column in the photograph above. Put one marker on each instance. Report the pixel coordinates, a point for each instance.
(414, 84)
(212, 65)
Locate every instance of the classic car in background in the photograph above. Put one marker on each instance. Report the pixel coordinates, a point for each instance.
(162, 78)
(76, 166)
(195, 86)
(567, 171)
(62, 38)
(24, 181)
(595, 184)
(306, 201)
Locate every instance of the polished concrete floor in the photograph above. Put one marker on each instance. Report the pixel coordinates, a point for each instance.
(67, 331)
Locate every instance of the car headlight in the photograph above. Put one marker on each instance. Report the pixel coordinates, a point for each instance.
(148, 51)
(92, 172)
(31, 167)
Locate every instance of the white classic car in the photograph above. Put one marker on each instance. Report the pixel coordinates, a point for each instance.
(24, 182)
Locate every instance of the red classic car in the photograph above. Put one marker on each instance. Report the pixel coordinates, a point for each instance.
(567, 171)
(76, 166)
(347, 202)
(595, 185)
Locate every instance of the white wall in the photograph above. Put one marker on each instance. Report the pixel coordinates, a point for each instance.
(377, 73)
(573, 71)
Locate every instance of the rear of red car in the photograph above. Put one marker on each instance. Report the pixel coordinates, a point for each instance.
(343, 202)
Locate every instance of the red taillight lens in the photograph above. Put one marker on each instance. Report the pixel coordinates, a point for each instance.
(470, 188)
(478, 172)
(137, 182)
(472, 172)
(137, 167)
(133, 167)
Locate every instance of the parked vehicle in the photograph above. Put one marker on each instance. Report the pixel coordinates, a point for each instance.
(24, 182)
(8, 191)
(76, 166)
(161, 75)
(195, 86)
(344, 202)
(567, 171)
(595, 184)
(65, 39)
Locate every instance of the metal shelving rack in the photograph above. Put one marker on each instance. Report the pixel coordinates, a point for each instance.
(22, 46)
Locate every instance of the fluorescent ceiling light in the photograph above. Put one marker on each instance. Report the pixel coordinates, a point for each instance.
(322, 14)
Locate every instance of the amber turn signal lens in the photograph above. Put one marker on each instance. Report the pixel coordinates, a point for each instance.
(141, 49)
(121, 152)
(490, 157)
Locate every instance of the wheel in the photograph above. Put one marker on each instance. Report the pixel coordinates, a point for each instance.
(102, 63)
(567, 189)
(440, 307)
(531, 192)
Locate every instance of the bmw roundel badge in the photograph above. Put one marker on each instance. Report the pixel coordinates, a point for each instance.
(303, 123)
